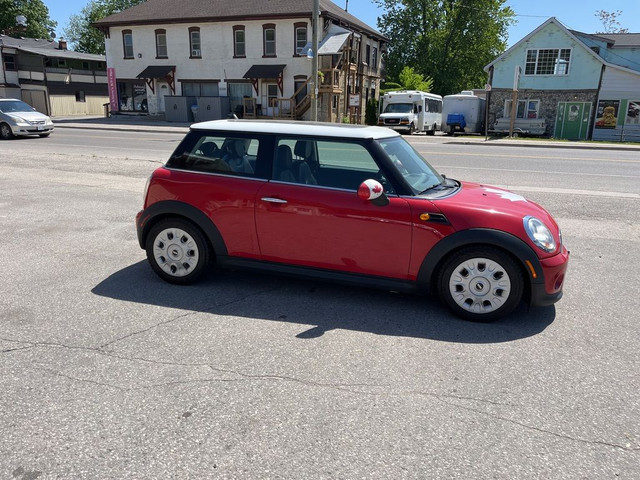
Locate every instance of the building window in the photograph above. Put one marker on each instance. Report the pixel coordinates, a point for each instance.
(300, 39)
(526, 108)
(374, 58)
(367, 54)
(194, 42)
(239, 44)
(269, 39)
(548, 61)
(161, 43)
(86, 66)
(200, 89)
(80, 96)
(127, 43)
(9, 62)
(236, 92)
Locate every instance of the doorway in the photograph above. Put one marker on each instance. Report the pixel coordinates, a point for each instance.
(572, 120)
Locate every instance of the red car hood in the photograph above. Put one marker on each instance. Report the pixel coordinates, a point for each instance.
(485, 206)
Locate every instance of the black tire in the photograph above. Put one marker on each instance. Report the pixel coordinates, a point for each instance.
(496, 279)
(5, 131)
(432, 131)
(178, 251)
(412, 129)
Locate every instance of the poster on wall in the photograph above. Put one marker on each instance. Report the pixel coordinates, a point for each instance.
(633, 113)
(607, 114)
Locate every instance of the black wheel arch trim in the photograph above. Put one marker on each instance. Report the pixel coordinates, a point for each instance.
(169, 208)
(480, 236)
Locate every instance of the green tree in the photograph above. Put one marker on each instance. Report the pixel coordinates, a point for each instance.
(610, 21)
(82, 35)
(449, 41)
(408, 79)
(39, 25)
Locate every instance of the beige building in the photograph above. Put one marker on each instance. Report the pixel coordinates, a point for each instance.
(51, 78)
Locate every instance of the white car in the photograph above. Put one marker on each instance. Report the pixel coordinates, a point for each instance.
(18, 118)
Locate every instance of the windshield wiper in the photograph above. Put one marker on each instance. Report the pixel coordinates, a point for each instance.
(444, 185)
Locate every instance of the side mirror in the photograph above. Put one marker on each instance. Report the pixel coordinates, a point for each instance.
(372, 191)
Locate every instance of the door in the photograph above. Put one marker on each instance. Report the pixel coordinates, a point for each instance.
(572, 120)
(162, 89)
(325, 225)
(37, 99)
(422, 112)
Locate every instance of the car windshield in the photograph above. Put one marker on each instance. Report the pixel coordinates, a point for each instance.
(416, 170)
(398, 108)
(15, 106)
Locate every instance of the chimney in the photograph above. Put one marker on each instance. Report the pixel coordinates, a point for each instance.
(62, 44)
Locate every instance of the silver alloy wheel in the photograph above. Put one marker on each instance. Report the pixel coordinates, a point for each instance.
(5, 131)
(479, 285)
(176, 252)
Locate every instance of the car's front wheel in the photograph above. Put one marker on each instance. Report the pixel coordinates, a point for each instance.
(5, 131)
(481, 284)
(177, 251)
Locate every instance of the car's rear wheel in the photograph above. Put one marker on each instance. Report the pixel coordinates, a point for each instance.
(5, 131)
(177, 251)
(480, 284)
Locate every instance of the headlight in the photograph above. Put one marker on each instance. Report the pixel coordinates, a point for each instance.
(539, 234)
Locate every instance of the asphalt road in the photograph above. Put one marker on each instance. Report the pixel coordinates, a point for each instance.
(106, 372)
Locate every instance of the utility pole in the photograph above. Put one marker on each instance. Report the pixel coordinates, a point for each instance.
(514, 99)
(314, 61)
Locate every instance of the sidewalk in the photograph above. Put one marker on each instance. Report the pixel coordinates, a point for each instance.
(149, 123)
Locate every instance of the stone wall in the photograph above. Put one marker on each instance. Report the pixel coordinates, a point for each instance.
(548, 103)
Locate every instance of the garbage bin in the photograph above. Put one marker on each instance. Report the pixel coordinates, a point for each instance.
(194, 111)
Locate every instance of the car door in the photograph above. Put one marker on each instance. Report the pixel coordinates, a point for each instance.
(317, 220)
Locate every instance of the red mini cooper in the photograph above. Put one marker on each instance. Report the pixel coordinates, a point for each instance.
(345, 203)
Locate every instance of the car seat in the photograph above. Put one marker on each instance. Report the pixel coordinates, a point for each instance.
(283, 165)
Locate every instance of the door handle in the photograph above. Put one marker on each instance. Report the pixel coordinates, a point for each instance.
(273, 200)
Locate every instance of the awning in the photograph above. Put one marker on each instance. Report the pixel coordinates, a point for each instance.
(164, 72)
(264, 71)
(156, 71)
(333, 41)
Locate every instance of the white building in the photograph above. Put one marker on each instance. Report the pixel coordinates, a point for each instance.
(241, 56)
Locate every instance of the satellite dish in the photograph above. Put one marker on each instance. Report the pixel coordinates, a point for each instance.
(21, 20)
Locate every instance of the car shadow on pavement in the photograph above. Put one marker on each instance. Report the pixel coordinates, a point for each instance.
(321, 305)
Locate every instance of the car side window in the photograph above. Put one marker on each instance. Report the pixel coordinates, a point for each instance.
(219, 154)
(335, 164)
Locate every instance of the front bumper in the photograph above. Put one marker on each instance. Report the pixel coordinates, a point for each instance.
(549, 291)
(24, 130)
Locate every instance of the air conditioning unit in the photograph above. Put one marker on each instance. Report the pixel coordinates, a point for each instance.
(195, 53)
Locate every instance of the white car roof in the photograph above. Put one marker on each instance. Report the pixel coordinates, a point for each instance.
(315, 129)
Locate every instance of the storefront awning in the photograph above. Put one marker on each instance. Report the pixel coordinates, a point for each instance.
(264, 71)
(163, 72)
(156, 71)
(257, 72)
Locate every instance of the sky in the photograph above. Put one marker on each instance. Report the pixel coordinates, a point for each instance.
(529, 14)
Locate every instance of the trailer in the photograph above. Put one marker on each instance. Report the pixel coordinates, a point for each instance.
(463, 113)
(410, 111)
(521, 126)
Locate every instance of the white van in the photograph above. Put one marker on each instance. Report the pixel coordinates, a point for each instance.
(411, 111)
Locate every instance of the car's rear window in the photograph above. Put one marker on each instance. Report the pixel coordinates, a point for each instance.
(217, 153)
